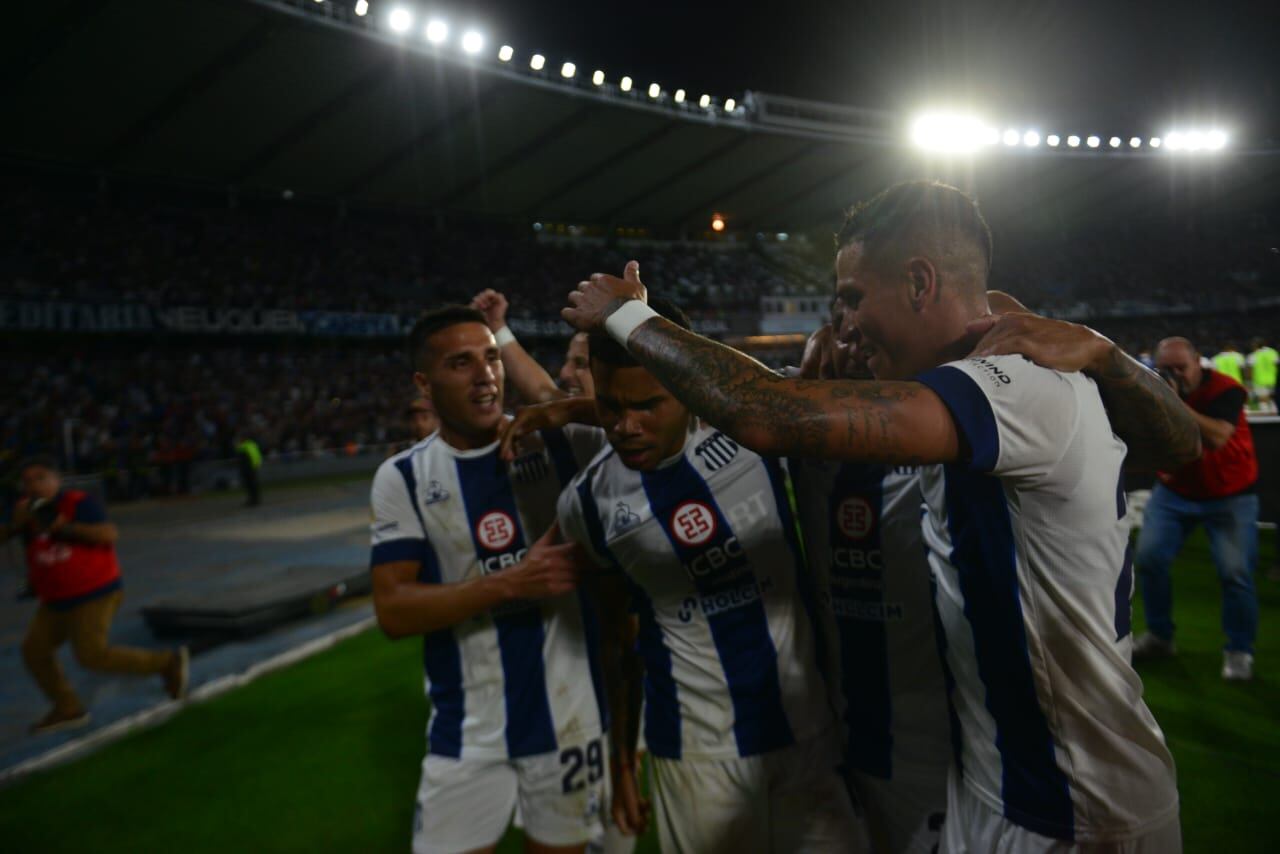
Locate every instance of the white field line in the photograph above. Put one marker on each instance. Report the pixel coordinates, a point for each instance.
(159, 714)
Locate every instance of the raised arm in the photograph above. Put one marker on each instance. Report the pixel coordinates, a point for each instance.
(529, 378)
(1160, 430)
(892, 422)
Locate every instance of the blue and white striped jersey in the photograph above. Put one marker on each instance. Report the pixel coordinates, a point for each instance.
(1033, 573)
(509, 683)
(861, 526)
(710, 546)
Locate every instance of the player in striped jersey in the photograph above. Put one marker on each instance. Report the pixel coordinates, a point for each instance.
(516, 704)
(861, 525)
(1021, 478)
(738, 718)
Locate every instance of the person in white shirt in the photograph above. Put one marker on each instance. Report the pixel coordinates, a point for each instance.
(738, 719)
(1020, 473)
(517, 711)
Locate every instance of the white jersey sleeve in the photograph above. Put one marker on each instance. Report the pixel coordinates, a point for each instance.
(1016, 418)
(397, 531)
(573, 522)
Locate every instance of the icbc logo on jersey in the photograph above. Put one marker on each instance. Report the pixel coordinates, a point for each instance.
(495, 530)
(855, 517)
(693, 523)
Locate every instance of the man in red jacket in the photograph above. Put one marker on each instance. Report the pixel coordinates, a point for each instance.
(72, 567)
(1217, 491)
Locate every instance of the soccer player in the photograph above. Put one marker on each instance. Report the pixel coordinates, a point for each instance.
(1020, 473)
(530, 379)
(738, 718)
(516, 707)
(1262, 375)
(861, 526)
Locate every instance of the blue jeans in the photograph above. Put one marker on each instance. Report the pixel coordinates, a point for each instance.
(1232, 526)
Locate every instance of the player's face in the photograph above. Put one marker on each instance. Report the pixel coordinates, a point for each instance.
(575, 376)
(850, 357)
(1183, 364)
(464, 378)
(40, 483)
(644, 423)
(878, 311)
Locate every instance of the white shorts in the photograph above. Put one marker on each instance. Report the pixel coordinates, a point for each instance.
(973, 827)
(788, 800)
(464, 804)
(904, 814)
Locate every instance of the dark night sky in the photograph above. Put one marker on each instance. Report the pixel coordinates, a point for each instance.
(1122, 66)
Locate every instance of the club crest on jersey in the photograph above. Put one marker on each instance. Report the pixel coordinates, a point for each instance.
(855, 517)
(693, 523)
(531, 467)
(623, 517)
(717, 451)
(495, 530)
(435, 493)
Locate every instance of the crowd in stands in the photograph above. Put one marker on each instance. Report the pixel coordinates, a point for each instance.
(143, 419)
(146, 415)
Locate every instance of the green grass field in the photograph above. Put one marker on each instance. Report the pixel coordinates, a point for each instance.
(324, 756)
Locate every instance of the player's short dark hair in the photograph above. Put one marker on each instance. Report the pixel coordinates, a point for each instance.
(926, 217)
(432, 322)
(601, 346)
(42, 461)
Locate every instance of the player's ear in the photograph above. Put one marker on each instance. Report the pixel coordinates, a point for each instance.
(424, 385)
(922, 277)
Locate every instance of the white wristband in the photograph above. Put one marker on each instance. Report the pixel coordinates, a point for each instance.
(625, 319)
(504, 336)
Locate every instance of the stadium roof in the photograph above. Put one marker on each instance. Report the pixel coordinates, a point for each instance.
(274, 96)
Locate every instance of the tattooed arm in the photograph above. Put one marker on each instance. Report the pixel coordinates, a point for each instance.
(1145, 412)
(892, 422)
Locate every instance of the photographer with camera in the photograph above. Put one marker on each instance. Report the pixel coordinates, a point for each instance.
(72, 567)
(1218, 491)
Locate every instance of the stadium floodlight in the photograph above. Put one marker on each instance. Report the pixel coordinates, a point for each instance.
(717, 222)
(1154, 142)
(1054, 140)
(598, 77)
(1194, 140)
(437, 31)
(625, 84)
(537, 61)
(730, 105)
(654, 90)
(1135, 142)
(505, 53)
(472, 42)
(568, 70)
(1115, 141)
(1173, 141)
(1093, 141)
(704, 102)
(679, 98)
(1031, 139)
(1216, 140)
(1073, 141)
(948, 132)
(362, 8)
(1011, 137)
(400, 19)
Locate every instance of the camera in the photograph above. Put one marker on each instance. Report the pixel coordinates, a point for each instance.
(44, 512)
